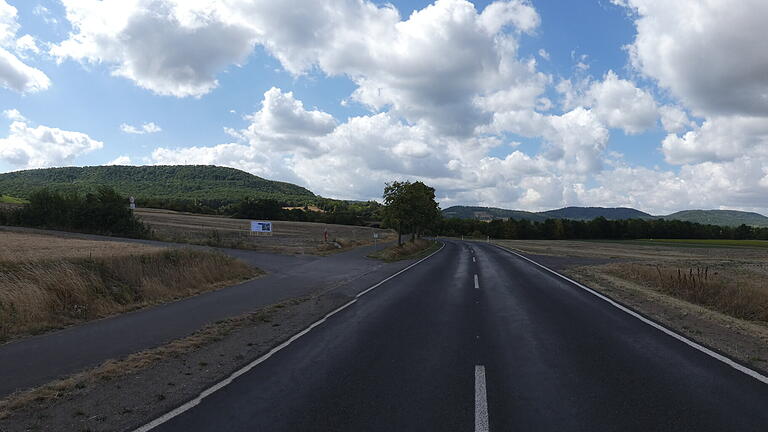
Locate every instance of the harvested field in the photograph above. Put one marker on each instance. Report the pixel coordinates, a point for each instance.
(288, 237)
(49, 282)
(26, 247)
(636, 250)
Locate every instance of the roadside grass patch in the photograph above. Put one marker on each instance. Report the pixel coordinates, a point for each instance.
(409, 250)
(739, 296)
(6, 199)
(37, 296)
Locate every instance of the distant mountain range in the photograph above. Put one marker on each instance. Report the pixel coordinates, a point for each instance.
(714, 217)
(184, 182)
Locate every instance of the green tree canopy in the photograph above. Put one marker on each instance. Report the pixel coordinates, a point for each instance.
(410, 206)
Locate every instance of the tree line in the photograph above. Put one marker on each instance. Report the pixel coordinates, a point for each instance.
(101, 212)
(599, 228)
(409, 208)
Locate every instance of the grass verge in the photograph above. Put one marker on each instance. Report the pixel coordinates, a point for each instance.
(6, 199)
(731, 293)
(43, 295)
(408, 250)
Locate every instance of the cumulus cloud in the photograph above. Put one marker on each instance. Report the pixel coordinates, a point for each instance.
(718, 139)
(171, 47)
(710, 54)
(14, 114)
(429, 68)
(15, 74)
(146, 128)
(620, 104)
(27, 146)
(674, 119)
(120, 160)
(283, 124)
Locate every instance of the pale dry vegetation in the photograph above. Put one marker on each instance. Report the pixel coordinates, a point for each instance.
(49, 282)
(288, 237)
(734, 291)
(25, 247)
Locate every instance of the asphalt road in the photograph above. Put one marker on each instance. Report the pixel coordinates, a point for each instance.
(514, 348)
(40, 359)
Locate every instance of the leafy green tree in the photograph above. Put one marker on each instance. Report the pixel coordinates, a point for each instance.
(409, 206)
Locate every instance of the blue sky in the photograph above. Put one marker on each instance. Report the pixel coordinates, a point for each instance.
(526, 104)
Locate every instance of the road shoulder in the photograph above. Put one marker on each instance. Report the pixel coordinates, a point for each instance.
(123, 394)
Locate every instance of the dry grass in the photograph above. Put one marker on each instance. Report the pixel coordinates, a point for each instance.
(41, 295)
(288, 237)
(633, 250)
(732, 291)
(408, 250)
(18, 247)
(112, 369)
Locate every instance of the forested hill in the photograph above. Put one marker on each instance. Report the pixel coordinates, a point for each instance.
(713, 217)
(721, 217)
(486, 213)
(172, 182)
(589, 213)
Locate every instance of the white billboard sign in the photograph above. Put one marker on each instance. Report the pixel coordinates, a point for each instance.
(261, 227)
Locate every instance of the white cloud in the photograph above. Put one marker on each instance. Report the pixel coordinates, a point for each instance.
(544, 54)
(15, 74)
(674, 119)
(171, 47)
(120, 160)
(710, 54)
(8, 23)
(718, 139)
(283, 124)
(42, 146)
(429, 68)
(14, 114)
(620, 104)
(27, 44)
(146, 128)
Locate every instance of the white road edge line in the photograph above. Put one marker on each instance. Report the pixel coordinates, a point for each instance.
(739, 367)
(481, 401)
(477, 282)
(245, 369)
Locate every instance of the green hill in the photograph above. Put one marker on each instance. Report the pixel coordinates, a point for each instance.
(5, 199)
(180, 182)
(712, 217)
(489, 213)
(720, 217)
(589, 213)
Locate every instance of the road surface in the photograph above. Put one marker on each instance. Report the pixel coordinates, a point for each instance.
(40, 359)
(474, 339)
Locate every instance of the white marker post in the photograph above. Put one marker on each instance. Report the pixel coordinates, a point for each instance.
(132, 200)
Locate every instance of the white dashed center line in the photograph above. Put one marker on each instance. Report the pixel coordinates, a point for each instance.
(481, 401)
(477, 283)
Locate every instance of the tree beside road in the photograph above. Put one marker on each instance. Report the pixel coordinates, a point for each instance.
(409, 206)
